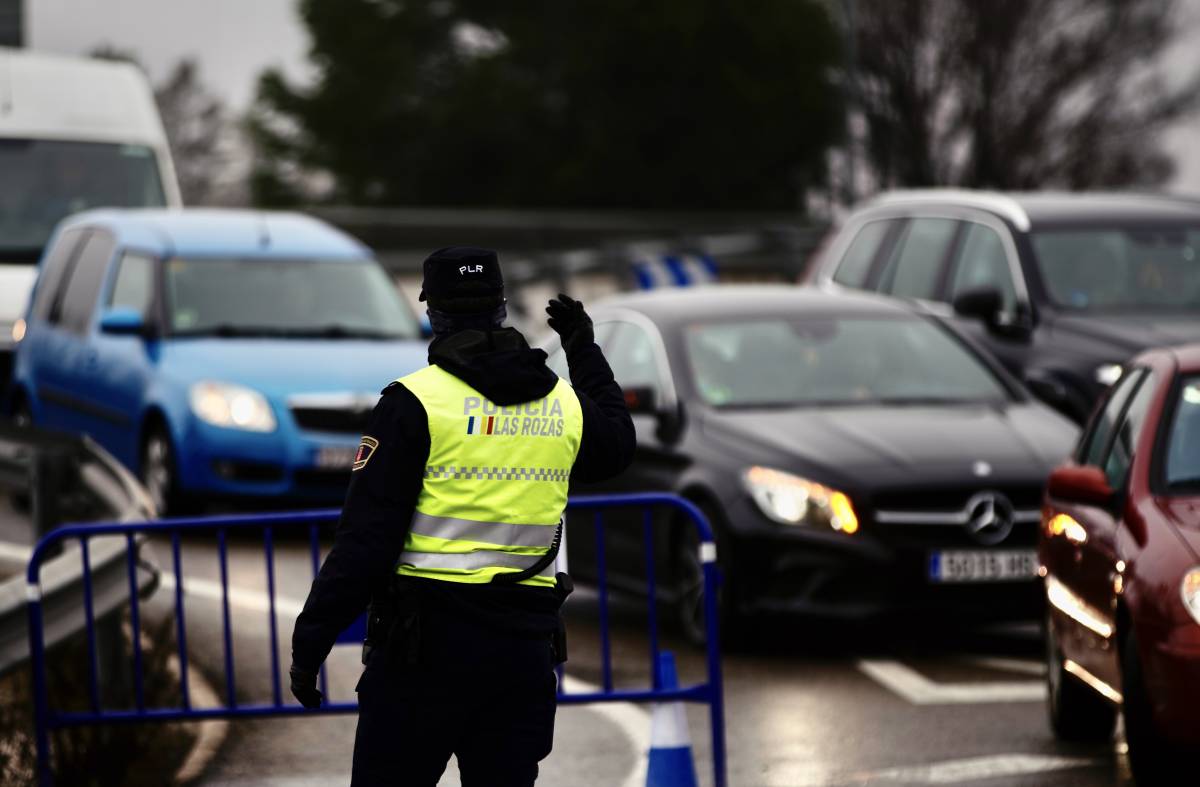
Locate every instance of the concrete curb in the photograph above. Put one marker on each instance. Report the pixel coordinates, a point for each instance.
(211, 734)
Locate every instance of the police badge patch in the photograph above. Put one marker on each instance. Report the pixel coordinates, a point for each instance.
(366, 449)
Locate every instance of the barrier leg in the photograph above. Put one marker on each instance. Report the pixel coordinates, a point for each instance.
(712, 579)
(37, 665)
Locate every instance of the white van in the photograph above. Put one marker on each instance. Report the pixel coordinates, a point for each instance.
(74, 134)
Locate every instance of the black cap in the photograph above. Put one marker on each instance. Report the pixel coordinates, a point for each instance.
(464, 274)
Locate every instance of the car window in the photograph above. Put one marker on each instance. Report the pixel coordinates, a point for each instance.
(54, 271)
(133, 287)
(1182, 463)
(79, 298)
(982, 262)
(855, 264)
(915, 264)
(632, 358)
(1096, 440)
(1124, 444)
(557, 359)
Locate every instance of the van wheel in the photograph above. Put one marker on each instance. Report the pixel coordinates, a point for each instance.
(1076, 712)
(22, 417)
(1153, 760)
(158, 471)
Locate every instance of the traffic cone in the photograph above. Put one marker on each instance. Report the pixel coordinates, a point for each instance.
(670, 762)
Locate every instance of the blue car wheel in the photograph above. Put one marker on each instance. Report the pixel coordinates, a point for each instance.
(159, 471)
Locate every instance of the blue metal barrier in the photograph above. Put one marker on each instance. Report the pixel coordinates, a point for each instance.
(47, 719)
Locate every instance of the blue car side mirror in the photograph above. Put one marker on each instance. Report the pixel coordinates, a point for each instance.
(122, 321)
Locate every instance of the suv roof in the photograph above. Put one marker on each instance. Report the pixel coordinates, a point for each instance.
(1026, 210)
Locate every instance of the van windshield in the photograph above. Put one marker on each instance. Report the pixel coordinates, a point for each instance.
(47, 180)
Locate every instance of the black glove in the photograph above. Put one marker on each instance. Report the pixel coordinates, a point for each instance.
(570, 322)
(304, 687)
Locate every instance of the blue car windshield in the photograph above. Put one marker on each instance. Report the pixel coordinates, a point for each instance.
(811, 361)
(286, 298)
(1106, 269)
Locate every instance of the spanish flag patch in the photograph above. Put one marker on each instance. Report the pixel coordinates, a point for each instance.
(366, 449)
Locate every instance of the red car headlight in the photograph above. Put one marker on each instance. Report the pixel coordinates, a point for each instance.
(1190, 590)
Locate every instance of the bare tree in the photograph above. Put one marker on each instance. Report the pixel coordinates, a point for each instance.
(207, 146)
(1017, 94)
(204, 141)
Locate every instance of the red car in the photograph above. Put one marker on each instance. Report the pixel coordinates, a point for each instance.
(1120, 555)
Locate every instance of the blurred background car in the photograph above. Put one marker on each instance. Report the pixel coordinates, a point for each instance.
(1062, 288)
(855, 455)
(74, 134)
(220, 354)
(1120, 546)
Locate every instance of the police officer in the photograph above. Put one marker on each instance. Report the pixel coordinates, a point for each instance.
(450, 527)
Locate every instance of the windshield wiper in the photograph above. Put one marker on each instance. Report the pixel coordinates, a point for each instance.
(226, 329)
(919, 400)
(337, 331)
(315, 332)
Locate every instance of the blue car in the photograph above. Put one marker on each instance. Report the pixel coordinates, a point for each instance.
(218, 354)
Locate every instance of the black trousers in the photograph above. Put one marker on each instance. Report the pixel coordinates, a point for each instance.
(485, 696)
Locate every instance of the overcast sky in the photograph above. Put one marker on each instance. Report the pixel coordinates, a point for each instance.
(234, 40)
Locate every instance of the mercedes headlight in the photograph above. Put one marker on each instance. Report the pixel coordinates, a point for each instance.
(232, 406)
(792, 500)
(1190, 589)
(1108, 373)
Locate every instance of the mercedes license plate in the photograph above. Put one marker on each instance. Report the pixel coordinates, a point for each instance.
(992, 565)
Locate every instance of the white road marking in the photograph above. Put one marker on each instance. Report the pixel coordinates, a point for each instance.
(246, 599)
(919, 690)
(16, 552)
(632, 720)
(1021, 666)
(977, 768)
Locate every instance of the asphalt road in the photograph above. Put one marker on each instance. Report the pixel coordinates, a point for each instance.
(806, 705)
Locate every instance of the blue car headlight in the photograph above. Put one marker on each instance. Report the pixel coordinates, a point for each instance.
(231, 406)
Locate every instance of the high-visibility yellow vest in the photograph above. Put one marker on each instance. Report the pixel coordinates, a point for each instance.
(495, 484)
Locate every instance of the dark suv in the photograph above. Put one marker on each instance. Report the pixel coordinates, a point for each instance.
(1062, 288)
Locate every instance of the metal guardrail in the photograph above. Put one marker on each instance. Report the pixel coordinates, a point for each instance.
(709, 692)
(62, 600)
(60, 475)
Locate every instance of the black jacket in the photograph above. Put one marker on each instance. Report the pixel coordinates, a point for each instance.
(383, 493)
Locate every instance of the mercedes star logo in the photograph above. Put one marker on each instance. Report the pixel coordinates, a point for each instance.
(989, 518)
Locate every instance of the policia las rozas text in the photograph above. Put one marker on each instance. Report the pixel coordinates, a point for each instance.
(460, 657)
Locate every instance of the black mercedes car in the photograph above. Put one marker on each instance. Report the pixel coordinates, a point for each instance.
(855, 455)
(1062, 288)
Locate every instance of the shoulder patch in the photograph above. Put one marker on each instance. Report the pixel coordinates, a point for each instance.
(388, 388)
(366, 449)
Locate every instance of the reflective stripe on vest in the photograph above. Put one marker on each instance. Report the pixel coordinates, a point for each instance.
(495, 484)
(491, 533)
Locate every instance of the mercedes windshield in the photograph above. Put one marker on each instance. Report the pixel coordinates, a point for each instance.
(810, 361)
